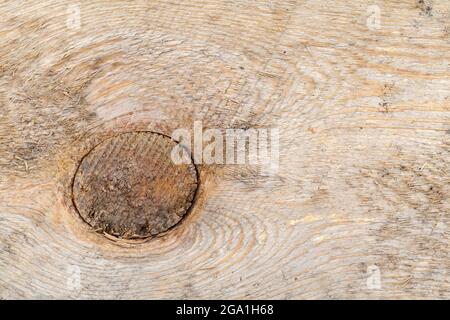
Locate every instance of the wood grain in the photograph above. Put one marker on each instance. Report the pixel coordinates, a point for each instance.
(128, 187)
(364, 122)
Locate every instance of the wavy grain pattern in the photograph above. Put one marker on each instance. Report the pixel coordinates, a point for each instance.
(364, 120)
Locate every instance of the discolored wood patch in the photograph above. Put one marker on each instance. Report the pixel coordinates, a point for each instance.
(128, 186)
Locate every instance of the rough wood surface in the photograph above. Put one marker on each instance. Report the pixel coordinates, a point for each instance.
(129, 188)
(363, 112)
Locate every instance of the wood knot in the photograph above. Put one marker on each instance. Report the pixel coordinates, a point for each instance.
(129, 187)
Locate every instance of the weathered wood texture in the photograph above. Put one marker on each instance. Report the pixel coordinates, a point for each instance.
(364, 120)
(128, 187)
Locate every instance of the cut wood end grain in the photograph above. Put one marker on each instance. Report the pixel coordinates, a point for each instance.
(128, 186)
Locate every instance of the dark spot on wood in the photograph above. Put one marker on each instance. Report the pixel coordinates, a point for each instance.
(129, 187)
(426, 6)
(384, 107)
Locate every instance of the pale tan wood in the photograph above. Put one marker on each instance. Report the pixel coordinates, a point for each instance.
(364, 120)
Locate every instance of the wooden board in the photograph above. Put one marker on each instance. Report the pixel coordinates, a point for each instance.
(358, 209)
